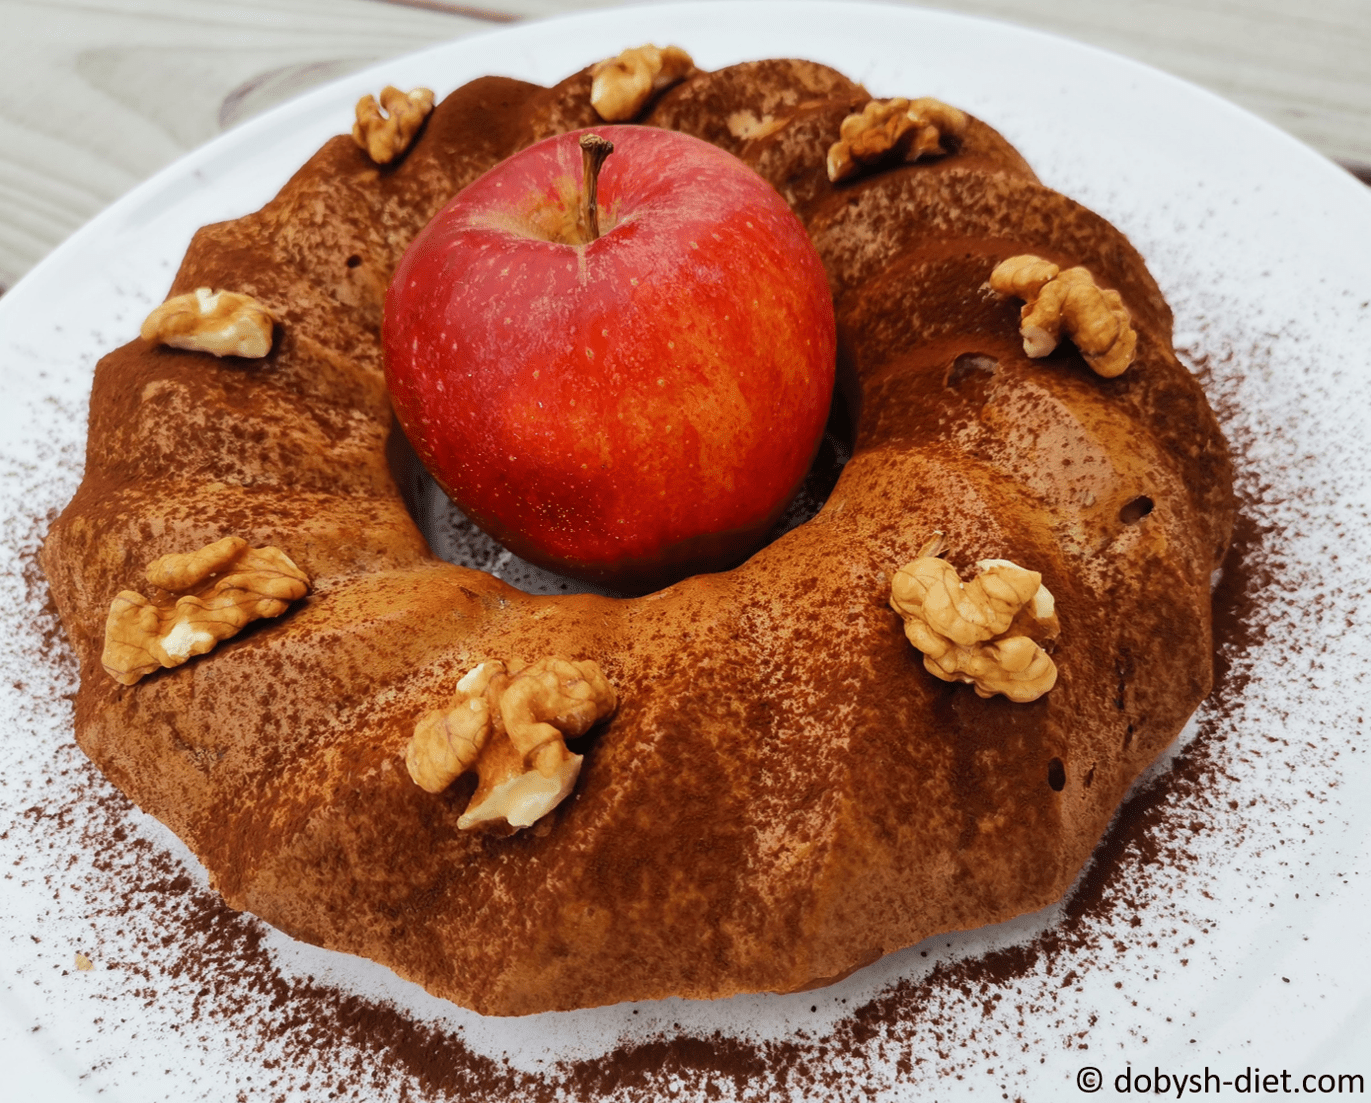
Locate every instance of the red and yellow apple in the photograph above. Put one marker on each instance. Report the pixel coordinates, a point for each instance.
(626, 392)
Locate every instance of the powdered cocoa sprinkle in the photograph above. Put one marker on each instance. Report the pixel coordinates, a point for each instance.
(303, 1035)
(174, 963)
(204, 972)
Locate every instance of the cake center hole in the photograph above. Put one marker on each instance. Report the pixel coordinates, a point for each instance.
(456, 539)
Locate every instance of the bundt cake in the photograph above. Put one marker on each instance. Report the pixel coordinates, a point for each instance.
(778, 789)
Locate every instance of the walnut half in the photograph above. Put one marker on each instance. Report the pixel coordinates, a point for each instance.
(621, 86)
(1055, 299)
(986, 631)
(385, 130)
(890, 131)
(511, 727)
(224, 323)
(206, 596)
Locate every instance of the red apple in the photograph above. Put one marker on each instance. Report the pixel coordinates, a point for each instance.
(626, 408)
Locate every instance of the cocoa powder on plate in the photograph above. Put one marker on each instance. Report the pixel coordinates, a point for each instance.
(312, 1037)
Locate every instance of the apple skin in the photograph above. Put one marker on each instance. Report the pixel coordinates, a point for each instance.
(628, 410)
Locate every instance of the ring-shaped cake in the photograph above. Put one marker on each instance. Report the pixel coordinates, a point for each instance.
(785, 792)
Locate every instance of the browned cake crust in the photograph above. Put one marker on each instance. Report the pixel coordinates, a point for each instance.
(785, 793)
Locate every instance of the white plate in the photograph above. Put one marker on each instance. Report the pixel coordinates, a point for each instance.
(1228, 927)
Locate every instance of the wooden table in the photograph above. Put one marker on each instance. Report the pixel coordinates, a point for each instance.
(96, 95)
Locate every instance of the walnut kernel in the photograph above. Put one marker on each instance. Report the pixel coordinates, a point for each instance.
(207, 596)
(385, 136)
(987, 631)
(621, 86)
(511, 727)
(447, 742)
(224, 323)
(1093, 317)
(889, 131)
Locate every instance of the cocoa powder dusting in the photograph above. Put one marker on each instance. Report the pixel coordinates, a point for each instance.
(297, 1034)
(188, 1000)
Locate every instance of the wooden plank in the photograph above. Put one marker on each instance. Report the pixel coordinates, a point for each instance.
(1303, 67)
(97, 95)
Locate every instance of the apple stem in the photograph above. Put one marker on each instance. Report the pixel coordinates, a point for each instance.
(594, 150)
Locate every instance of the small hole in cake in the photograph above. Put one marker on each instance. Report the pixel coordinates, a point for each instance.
(1089, 777)
(969, 363)
(354, 261)
(1135, 510)
(1056, 774)
(1128, 737)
